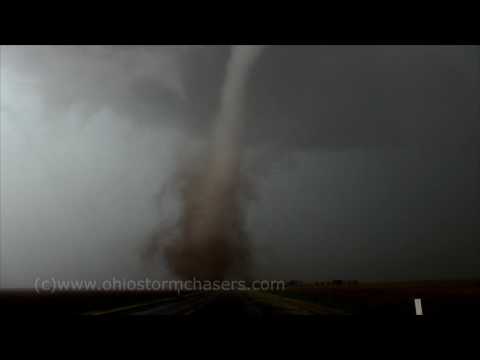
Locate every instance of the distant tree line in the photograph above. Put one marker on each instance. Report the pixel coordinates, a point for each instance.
(299, 283)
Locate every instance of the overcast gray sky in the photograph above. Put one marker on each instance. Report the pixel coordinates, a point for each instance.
(366, 159)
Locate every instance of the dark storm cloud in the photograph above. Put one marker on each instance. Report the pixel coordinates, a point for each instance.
(320, 96)
(406, 213)
(337, 96)
(142, 82)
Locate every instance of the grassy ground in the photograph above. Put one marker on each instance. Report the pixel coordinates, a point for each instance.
(72, 302)
(438, 298)
(443, 298)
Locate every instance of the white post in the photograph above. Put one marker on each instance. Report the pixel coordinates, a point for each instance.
(418, 307)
